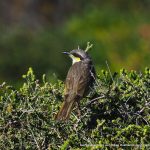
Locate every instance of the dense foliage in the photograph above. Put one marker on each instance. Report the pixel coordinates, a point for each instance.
(115, 112)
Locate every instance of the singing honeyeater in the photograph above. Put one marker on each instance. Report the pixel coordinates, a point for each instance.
(79, 80)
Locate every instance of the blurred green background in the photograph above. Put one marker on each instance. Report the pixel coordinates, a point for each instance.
(33, 33)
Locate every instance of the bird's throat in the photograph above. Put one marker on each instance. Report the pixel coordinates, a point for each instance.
(75, 59)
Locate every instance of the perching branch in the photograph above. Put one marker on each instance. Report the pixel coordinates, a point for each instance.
(95, 99)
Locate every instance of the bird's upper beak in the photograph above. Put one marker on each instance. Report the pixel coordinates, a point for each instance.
(66, 53)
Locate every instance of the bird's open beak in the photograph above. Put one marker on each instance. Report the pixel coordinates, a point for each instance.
(66, 53)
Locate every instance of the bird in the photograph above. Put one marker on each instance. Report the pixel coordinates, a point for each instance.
(79, 81)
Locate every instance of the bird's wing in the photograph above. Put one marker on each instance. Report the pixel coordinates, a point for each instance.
(77, 80)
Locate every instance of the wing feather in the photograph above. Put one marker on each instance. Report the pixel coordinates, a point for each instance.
(77, 80)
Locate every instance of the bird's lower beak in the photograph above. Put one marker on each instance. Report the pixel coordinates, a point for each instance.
(66, 53)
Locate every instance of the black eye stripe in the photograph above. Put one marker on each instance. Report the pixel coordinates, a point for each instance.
(77, 55)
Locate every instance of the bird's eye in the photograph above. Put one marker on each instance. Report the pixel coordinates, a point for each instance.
(77, 56)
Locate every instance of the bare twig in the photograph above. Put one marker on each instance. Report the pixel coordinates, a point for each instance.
(94, 79)
(142, 118)
(89, 46)
(38, 147)
(2, 85)
(95, 99)
(109, 71)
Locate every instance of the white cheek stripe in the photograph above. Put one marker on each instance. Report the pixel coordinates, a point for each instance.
(74, 59)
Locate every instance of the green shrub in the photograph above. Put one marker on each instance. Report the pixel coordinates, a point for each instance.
(115, 112)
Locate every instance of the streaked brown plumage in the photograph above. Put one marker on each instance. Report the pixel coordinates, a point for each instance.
(79, 79)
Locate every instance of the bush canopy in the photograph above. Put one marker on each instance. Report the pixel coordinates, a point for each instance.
(116, 112)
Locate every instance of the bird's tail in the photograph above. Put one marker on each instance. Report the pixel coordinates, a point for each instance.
(65, 111)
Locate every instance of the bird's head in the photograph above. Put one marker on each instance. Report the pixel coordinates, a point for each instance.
(77, 55)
